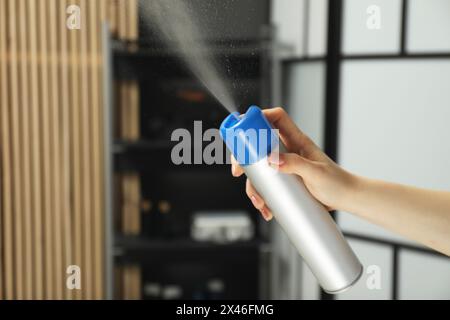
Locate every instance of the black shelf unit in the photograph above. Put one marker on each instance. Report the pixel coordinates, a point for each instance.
(181, 261)
(164, 250)
(132, 249)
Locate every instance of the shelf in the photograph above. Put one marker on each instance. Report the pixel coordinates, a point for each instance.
(233, 48)
(144, 156)
(131, 249)
(236, 60)
(121, 146)
(136, 242)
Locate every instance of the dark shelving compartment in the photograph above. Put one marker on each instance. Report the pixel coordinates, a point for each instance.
(188, 192)
(172, 97)
(192, 271)
(170, 195)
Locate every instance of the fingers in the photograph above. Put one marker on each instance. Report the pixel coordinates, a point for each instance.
(291, 163)
(236, 169)
(257, 201)
(294, 139)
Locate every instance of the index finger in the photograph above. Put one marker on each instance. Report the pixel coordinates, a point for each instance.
(236, 169)
(294, 139)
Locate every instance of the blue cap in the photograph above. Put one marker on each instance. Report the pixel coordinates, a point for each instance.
(250, 136)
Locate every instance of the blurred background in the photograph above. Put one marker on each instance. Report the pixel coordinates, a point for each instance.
(90, 94)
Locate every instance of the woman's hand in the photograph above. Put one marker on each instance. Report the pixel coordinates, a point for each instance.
(418, 214)
(324, 179)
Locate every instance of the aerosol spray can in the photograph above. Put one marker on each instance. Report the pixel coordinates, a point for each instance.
(310, 228)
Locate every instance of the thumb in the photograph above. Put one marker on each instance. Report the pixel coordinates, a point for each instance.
(291, 163)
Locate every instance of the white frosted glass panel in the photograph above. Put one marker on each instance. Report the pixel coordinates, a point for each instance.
(305, 103)
(359, 39)
(288, 18)
(376, 281)
(428, 26)
(305, 97)
(423, 276)
(317, 29)
(394, 125)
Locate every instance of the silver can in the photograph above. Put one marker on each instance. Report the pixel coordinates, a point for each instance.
(308, 225)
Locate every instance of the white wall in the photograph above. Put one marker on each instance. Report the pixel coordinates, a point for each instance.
(290, 18)
(394, 125)
(394, 121)
(429, 26)
(358, 39)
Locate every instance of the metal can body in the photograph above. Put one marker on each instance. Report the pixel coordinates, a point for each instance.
(308, 225)
(311, 229)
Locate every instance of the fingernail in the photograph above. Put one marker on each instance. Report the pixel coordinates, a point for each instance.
(275, 158)
(254, 200)
(267, 216)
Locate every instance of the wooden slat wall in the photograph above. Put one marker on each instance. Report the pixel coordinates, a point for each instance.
(132, 282)
(128, 282)
(53, 282)
(51, 144)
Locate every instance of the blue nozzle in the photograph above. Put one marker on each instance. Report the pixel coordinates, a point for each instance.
(250, 137)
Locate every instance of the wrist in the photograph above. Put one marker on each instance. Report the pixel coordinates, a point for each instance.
(352, 184)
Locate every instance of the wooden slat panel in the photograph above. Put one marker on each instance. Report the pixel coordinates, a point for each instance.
(36, 143)
(95, 149)
(15, 133)
(136, 227)
(133, 25)
(112, 12)
(131, 33)
(130, 211)
(123, 107)
(131, 282)
(128, 202)
(66, 237)
(7, 211)
(134, 133)
(125, 200)
(25, 107)
(122, 19)
(86, 167)
(76, 152)
(54, 41)
(100, 259)
(51, 113)
(46, 153)
(63, 73)
(44, 112)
